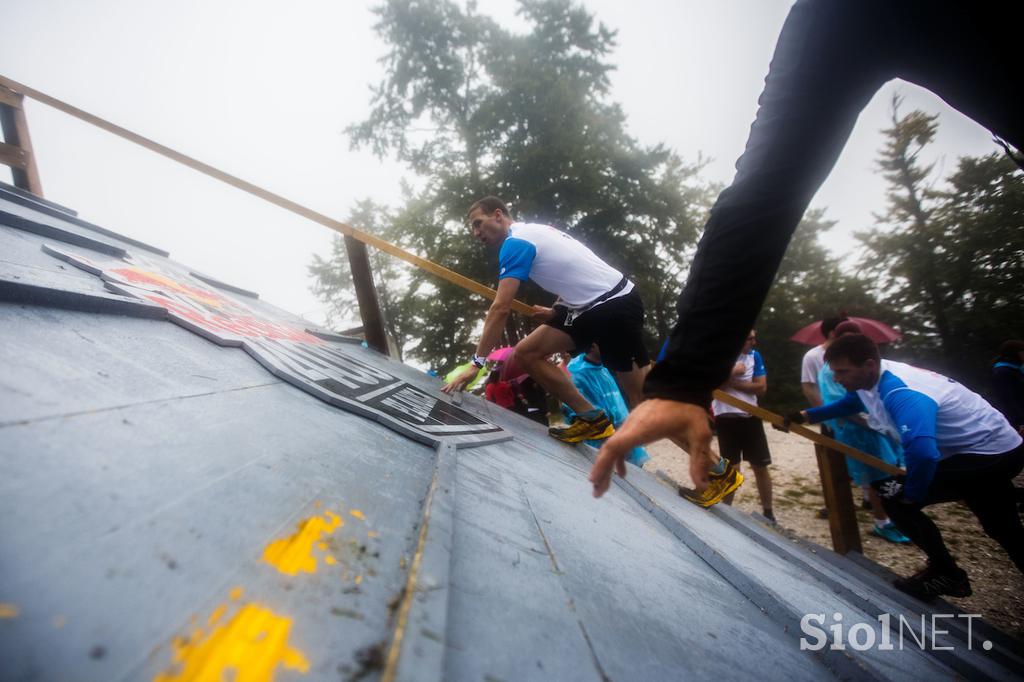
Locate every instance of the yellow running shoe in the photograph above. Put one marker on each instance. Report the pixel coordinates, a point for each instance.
(580, 429)
(718, 487)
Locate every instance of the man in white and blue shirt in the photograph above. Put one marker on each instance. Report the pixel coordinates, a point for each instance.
(596, 304)
(741, 435)
(956, 445)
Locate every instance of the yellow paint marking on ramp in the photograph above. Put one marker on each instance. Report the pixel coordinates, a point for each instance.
(250, 647)
(295, 553)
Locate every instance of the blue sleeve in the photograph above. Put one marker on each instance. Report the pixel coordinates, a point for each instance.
(914, 415)
(844, 407)
(663, 351)
(759, 370)
(516, 258)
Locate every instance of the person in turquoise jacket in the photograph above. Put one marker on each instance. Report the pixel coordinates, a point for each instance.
(596, 383)
(855, 432)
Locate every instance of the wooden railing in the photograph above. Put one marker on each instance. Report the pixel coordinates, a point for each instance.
(16, 149)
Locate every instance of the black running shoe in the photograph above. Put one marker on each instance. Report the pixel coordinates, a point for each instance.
(930, 582)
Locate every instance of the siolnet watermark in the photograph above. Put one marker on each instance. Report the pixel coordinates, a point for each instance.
(888, 633)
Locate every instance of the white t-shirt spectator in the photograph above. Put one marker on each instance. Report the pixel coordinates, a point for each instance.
(814, 360)
(753, 367)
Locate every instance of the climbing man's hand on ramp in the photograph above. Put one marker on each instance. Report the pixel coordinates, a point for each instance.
(654, 420)
(460, 382)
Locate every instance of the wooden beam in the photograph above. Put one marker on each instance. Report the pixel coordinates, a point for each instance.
(10, 98)
(15, 127)
(842, 514)
(809, 434)
(276, 199)
(366, 293)
(12, 156)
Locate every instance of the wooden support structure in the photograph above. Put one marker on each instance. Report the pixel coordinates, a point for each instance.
(842, 514)
(366, 293)
(16, 150)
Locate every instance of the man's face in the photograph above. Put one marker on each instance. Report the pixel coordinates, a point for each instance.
(854, 377)
(750, 342)
(489, 229)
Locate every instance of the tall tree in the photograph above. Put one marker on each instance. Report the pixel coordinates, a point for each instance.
(474, 109)
(811, 284)
(949, 260)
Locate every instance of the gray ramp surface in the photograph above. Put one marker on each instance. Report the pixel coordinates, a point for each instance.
(192, 484)
(630, 601)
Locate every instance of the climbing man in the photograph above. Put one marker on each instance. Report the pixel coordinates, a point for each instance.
(596, 304)
(740, 434)
(957, 447)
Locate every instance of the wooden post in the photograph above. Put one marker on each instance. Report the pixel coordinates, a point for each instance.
(17, 153)
(842, 515)
(366, 294)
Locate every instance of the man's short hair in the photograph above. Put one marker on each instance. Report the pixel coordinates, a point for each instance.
(487, 204)
(1010, 350)
(830, 323)
(848, 327)
(856, 348)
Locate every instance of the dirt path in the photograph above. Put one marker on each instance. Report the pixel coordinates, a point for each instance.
(998, 586)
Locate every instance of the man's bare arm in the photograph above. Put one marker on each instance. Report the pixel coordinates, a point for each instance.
(497, 315)
(758, 385)
(494, 323)
(812, 393)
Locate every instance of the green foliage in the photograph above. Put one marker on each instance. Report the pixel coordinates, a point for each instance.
(474, 109)
(809, 286)
(951, 260)
(333, 277)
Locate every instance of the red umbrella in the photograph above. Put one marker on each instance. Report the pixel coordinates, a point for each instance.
(879, 332)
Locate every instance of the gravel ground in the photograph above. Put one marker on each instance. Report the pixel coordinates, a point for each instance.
(998, 586)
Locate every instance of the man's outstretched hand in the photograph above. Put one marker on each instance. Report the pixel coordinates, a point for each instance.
(543, 313)
(653, 420)
(799, 417)
(458, 383)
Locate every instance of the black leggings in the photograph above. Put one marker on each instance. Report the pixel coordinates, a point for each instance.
(831, 58)
(985, 484)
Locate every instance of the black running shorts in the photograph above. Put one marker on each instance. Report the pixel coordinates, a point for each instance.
(742, 438)
(616, 326)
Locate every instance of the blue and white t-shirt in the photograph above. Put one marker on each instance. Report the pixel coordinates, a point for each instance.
(933, 416)
(558, 263)
(753, 367)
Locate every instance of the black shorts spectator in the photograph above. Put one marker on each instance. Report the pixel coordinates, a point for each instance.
(742, 438)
